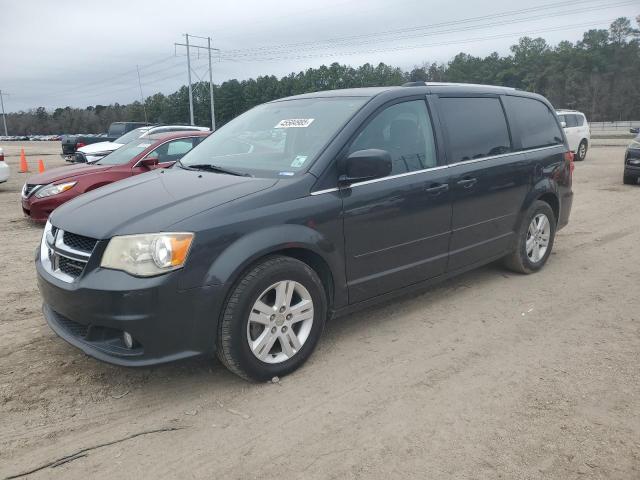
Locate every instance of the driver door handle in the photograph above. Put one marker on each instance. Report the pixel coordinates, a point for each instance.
(437, 188)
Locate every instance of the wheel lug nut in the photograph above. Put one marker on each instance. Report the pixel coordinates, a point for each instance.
(284, 329)
(273, 317)
(273, 330)
(282, 309)
(289, 317)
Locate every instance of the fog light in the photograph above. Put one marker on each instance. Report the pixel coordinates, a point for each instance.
(128, 340)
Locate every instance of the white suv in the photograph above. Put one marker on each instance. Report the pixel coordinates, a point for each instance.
(576, 128)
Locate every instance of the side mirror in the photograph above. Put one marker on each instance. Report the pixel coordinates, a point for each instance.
(635, 130)
(563, 124)
(149, 162)
(365, 165)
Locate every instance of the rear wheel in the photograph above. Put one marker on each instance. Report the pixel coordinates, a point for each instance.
(535, 239)
(272, 320)
(581, 153)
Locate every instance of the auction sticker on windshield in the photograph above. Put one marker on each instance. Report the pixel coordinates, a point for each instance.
(294, 123)
(299, 161)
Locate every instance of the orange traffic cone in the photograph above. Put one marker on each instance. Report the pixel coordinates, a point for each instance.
(24, 167)
(40, 166)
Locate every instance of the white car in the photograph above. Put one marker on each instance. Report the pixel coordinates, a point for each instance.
(4, 168)
(95, 151)
(576, 128)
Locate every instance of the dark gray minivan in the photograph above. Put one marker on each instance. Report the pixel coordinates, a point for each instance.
(302, 209)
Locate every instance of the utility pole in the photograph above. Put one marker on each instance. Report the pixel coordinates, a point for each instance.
(144, 107)
(4, 116)
(213, 114)
(189, 77)
(209, 49)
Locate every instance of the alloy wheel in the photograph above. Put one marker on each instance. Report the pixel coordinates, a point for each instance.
(538, 236)
(280, 321)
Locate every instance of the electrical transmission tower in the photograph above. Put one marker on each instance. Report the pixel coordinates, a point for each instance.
(209, 49)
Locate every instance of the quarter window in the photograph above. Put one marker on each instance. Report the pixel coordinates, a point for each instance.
(537, 125)
(405, 131)
(476, 128)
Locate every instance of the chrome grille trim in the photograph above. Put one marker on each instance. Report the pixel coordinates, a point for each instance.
(29, 189)
(53, 248)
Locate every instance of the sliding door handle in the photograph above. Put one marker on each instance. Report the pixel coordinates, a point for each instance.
(467, 182)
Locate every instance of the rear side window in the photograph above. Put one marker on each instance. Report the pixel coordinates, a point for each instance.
(117, 129)
(476, 128)
(579, 120)
(571, 120)
(537, 125)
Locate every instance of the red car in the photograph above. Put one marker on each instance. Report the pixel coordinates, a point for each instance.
(44, 192)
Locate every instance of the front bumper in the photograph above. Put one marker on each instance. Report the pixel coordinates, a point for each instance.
(167, 324)
(39, 209)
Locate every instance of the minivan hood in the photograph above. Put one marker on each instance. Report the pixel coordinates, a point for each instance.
(69, 171)
(151, 202)
(100, 147)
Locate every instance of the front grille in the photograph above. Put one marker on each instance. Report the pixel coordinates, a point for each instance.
(66, 254)
(73, 268)
(79, 242)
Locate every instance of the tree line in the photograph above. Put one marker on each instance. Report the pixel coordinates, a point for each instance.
(597, 75)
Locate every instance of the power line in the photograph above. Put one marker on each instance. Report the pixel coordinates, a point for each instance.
(427, 45)
(323, 45)
(333, 41)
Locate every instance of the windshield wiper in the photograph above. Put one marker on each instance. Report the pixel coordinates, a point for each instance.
(215, 168)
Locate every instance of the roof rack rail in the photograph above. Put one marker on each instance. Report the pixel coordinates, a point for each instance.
(415, 84)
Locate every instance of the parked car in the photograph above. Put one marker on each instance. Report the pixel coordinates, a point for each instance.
(94, 152)
(70, 143)
(249, 243)
(44, 192)
(4, 168)
(632, 159)
(576, 129)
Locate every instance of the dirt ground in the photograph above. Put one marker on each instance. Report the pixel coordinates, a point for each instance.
(489, 375)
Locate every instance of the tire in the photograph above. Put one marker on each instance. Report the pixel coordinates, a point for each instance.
(239, 336)
(630, 180)
(581, 153)
(520, 260)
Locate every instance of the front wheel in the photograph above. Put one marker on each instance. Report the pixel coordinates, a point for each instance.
(273, 319)
(535, 239)
(630, 179)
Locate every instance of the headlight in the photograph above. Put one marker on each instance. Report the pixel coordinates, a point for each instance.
(147, 255)
(634, 145)
(52, 189)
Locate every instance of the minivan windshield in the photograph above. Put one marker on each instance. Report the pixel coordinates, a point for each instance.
(126, 152)
(279, 139)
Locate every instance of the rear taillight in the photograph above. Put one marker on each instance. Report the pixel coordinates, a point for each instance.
(568, 157)
(80, 145)
(1, 155)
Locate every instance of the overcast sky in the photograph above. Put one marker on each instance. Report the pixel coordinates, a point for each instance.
(79, 53)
